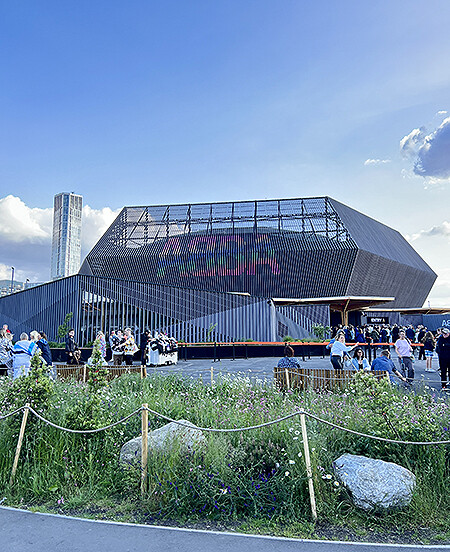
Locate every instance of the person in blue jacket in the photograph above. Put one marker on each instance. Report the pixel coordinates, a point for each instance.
(289, 360)
(359, 361)
(23, 350)
(384, 363)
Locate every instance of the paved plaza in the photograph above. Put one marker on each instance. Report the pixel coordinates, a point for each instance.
(262, 369)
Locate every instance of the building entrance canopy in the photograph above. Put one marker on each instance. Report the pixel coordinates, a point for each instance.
(344, 304)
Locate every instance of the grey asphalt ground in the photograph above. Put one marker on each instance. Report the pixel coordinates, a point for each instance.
(23, 531)
(262, 368)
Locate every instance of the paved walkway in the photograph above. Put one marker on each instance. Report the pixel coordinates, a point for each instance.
(262, 368)
(23, 531)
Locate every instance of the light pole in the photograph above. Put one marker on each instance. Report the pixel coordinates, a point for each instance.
(12, 279)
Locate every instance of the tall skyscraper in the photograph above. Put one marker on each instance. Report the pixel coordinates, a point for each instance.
(66, 243)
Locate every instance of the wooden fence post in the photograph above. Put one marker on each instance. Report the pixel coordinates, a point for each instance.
(212, 376)
(288, 382)
(84, 373)
(144, 455)
(308, 467)
(19, 444)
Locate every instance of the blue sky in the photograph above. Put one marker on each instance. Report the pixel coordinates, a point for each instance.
(146, 102)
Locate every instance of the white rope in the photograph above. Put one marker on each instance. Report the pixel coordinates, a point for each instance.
(284, 418)
(12, 413)
(82, 430)
(232, 430)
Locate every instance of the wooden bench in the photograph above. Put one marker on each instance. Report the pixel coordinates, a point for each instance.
(81, 372)
(317, 378)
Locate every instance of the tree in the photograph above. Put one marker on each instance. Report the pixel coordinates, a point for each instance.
(321, 331)
(65, 326)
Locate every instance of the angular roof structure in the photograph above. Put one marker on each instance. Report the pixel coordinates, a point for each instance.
(296, 248)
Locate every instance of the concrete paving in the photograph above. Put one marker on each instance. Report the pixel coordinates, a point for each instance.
(23, 531)
(262, 368)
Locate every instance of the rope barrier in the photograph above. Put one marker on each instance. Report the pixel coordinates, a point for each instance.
(82, 431)
(12, 413)
(231, 430)
(375, 437)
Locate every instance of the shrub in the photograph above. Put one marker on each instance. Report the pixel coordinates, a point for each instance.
(98, 373)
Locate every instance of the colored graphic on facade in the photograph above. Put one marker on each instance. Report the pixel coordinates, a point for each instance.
(218, 256)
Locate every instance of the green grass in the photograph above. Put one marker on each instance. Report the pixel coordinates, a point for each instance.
(255, 481)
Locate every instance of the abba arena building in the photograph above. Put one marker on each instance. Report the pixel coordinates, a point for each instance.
(230, 271)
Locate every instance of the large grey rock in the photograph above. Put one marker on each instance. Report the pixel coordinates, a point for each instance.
(375, 483)
(163, 440)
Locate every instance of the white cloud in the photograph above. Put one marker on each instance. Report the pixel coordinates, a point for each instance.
(430, 151)
(20, 223)
(442, 112)
(411, 143)
(26, 236)
(439, 230)
(5, 273)
(376, 161)
(95, 223)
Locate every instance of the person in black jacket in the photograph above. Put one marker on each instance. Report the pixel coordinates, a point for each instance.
(143, 345)
(43, 345)
(443, 351)
(410, 333)
(420, 339)
(395, 332)
(72, 350)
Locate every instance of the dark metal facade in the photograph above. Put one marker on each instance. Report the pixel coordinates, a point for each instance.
(315, 247)
(278, 248)
(386, 264)
(189, 315)
(209, 271)
(43, 307)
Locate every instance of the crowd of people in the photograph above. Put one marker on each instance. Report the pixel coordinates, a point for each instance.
(352, 357)
(402, 339)
(15, 357)
(383, 333)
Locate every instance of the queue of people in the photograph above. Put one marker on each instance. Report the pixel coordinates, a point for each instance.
(402, 340)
